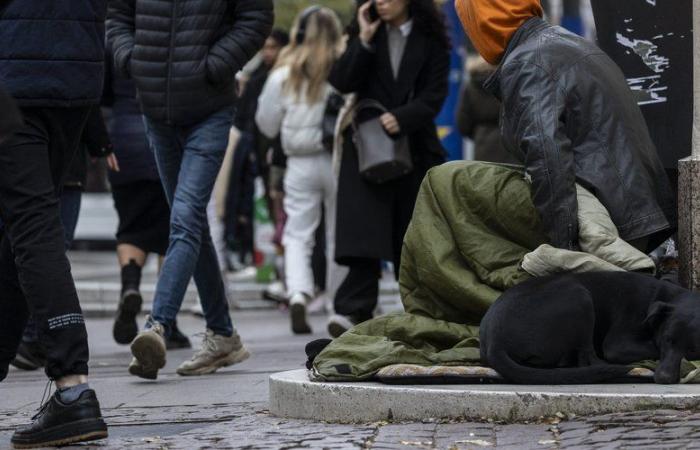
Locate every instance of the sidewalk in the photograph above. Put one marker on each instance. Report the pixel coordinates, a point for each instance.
(229, 409)
(97, 278)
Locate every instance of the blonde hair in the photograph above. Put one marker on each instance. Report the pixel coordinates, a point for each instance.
(310, 61)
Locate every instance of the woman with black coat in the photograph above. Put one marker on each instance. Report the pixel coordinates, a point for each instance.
(398, 55)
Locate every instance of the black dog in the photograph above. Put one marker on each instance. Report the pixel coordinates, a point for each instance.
(585, 328)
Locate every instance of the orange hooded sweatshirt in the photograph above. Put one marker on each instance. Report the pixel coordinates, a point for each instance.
(491, 23)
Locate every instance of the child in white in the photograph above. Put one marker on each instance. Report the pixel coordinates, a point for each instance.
(292, 104)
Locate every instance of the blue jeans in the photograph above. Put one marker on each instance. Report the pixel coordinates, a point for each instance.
(189, 159)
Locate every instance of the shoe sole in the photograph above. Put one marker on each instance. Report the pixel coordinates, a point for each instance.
(299, 323)
(336, 330)
(150, 355)
(23, 363)
(225, 361)
(125, 327)
(89, 430)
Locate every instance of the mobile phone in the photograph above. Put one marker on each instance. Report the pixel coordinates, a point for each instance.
(373, 13)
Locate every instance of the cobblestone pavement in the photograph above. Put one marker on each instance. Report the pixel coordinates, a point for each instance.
(228, 410)
(249, 426)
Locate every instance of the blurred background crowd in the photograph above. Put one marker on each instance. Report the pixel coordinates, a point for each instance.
(262, 182)
(247, 212)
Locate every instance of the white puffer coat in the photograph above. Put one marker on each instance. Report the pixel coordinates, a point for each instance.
(297, 122)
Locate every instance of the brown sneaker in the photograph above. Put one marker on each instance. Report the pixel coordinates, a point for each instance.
(149, 350)
(217, 351)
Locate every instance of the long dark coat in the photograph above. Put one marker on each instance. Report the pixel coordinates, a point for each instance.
(372, 219)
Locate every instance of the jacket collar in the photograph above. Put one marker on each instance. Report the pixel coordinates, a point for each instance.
(527, 30)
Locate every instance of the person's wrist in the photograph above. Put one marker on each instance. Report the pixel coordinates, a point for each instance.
(365, 37)
(366, 42)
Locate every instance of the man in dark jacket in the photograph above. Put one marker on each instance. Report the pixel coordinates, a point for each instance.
(569, 114)
(183, 57)
(51, 57)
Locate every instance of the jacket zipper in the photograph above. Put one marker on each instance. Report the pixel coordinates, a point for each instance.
(170, 63)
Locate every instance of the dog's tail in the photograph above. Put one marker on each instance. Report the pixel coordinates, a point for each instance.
(519, 374)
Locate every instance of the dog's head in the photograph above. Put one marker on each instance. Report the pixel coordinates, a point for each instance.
(677, 324)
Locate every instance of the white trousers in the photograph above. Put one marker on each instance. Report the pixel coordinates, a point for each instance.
(309, 185)
(216, 228)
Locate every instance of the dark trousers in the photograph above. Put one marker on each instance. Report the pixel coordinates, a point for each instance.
(35, 273)
(70, 211)
(358, 294)
(240, 201)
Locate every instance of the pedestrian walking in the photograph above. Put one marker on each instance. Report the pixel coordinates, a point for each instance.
(478, 115)
(51, 62)
(292, 104)
(31, 354)
(143, 211)
(569, 113)
(401, 60)
(186, 93)
(250, 157)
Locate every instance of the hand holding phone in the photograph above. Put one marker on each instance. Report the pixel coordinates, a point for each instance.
(373, 13)
(369, 21)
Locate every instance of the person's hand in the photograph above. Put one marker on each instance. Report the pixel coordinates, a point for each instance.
(367, 27)
(390, 124)
(112, 162)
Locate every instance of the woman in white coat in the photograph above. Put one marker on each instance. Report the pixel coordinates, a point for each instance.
(292, 104)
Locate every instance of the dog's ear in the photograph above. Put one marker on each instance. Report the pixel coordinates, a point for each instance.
(658, 311)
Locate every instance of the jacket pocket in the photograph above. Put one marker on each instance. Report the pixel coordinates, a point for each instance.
(216, 72)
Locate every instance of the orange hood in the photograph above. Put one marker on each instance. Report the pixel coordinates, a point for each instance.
(491, 23)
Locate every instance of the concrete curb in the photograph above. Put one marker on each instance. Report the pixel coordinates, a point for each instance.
(292, 395)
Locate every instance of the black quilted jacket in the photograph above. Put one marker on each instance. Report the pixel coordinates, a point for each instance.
(568, 112)
(183, 54)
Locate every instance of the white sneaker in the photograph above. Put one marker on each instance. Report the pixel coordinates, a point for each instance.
(149, 351)
(297, 311)
(247, 274)
(276, 292)
(339, 324)
(217, 351)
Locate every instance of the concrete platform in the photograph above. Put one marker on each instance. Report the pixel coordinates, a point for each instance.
(293, 395)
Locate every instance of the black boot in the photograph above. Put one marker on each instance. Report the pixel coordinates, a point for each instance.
(125, 326)
(177, 339)
(59, 423)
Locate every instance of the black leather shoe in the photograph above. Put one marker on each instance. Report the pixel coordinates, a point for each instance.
(58, 423)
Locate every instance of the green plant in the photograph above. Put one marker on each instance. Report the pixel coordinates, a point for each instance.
(287, 10)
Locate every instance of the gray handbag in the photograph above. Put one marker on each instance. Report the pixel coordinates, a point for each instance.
(382, 158)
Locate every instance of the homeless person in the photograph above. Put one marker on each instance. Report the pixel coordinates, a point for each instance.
(568, 113)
